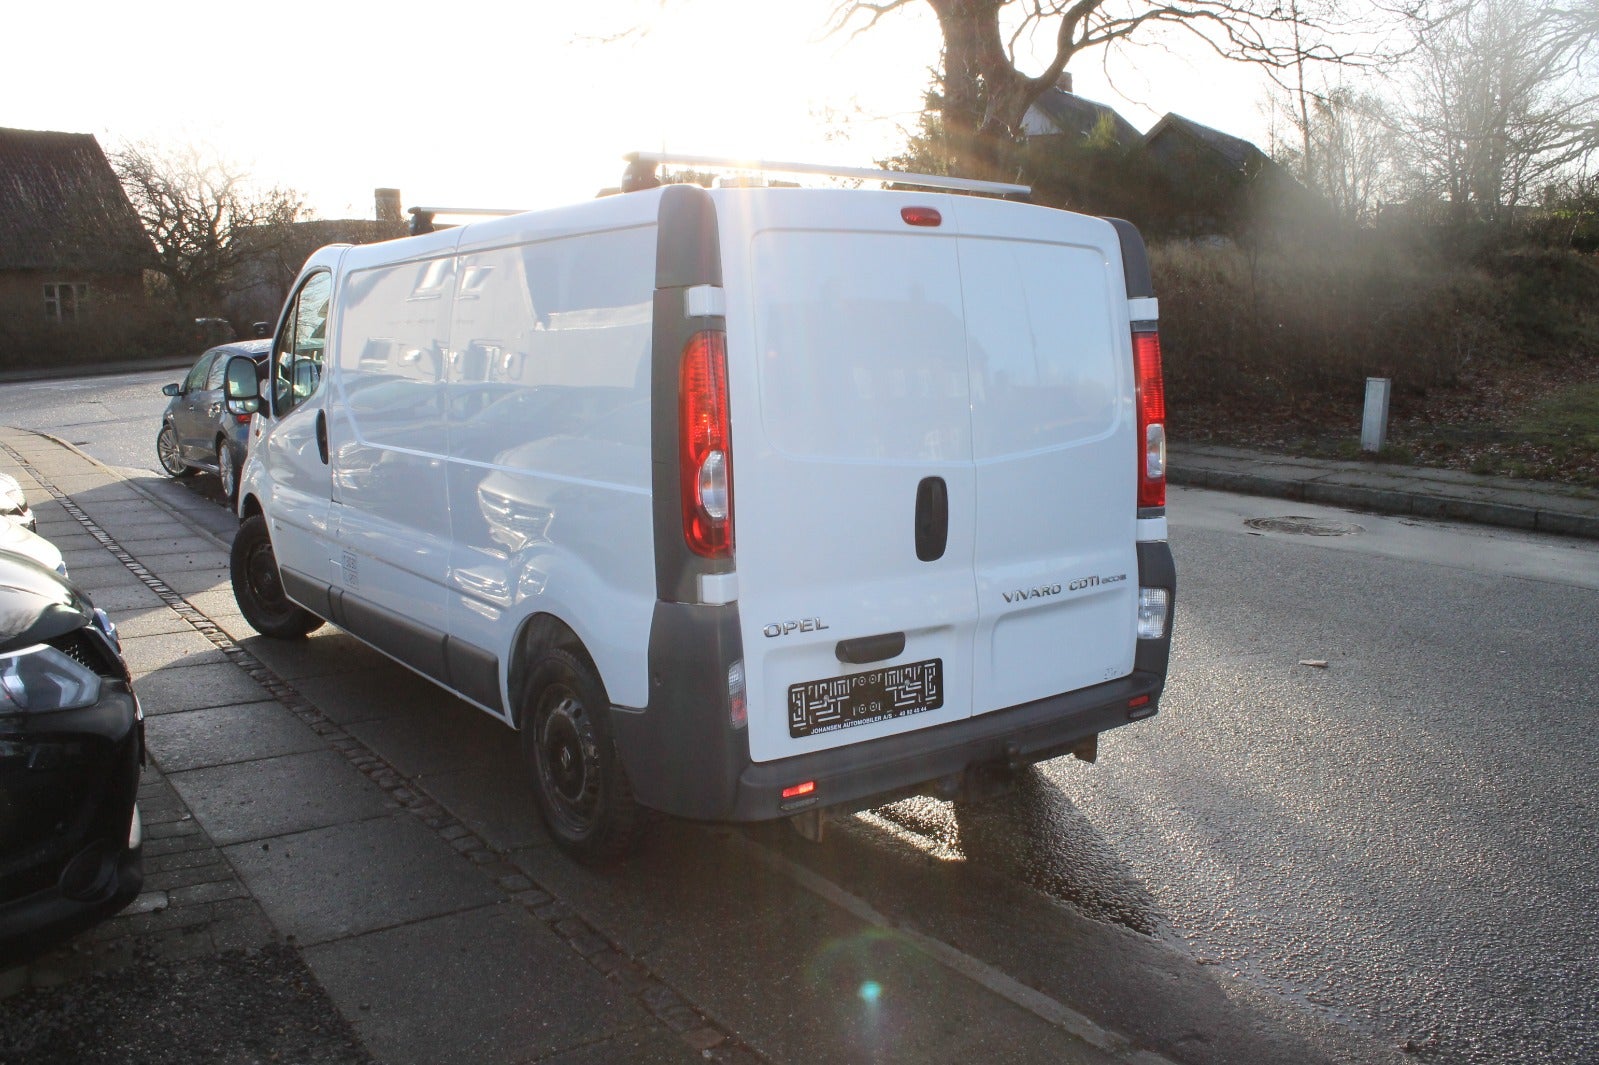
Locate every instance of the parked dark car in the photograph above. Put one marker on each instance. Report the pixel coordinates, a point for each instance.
(71, 748)
(197, 432)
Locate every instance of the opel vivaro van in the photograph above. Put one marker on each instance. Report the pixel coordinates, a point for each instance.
(737, 503)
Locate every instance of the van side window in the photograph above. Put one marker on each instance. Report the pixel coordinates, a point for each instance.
(297, 363)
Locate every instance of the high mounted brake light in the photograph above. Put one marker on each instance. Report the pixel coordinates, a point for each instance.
(1151, 417)
(705, 449)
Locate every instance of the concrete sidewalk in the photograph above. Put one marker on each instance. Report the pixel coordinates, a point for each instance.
(1450, 495)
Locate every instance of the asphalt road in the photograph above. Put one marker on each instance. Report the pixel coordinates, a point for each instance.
(1399, 840)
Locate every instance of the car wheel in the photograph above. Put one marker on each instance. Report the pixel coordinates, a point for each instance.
(166, 451)
(227, 472)
(583, 793)
(258, 587)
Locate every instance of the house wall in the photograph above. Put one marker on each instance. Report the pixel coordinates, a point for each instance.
(116, 321)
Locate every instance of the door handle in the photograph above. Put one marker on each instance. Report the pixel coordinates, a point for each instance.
(871, 648)
(322, 435)
(932, 518)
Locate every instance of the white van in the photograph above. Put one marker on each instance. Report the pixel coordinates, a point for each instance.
(740, 503)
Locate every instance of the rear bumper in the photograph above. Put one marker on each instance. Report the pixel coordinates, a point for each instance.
(879, 769)
(684, 758)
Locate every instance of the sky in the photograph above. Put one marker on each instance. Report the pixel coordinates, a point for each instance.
(524, 105)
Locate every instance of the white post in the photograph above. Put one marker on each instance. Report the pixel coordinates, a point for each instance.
(1374, 425)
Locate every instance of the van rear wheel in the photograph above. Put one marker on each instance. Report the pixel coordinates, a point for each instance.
(582, 790)
(258, 586)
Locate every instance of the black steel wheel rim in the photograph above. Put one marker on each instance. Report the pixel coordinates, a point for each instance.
(261, 570)
(568, 760)
(166, 449)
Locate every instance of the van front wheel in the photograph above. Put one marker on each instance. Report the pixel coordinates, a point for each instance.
(582, 791)
(258, 586)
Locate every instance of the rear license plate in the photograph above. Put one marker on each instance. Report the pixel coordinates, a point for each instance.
(876, 695)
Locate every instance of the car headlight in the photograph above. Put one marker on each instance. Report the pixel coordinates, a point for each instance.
(40, 679)
(15, 498)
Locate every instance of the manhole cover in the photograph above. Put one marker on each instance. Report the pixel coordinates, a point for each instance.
(1296, 523)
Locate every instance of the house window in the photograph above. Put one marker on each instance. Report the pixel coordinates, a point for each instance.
(64, 300)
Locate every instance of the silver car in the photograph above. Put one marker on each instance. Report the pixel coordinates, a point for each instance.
(197, 432)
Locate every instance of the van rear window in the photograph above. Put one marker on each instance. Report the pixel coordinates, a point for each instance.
(862, 347)
(1042, 345)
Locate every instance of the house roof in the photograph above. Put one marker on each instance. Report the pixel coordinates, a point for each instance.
(1235, 151)
(62, 208)
(1079, 115)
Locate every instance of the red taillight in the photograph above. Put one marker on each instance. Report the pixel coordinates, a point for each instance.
(1151, 419)
(705, 450)
(798, 790)
(921, 216)
(242, 419)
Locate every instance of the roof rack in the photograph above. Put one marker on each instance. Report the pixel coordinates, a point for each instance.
(926, 181)
(422, 217)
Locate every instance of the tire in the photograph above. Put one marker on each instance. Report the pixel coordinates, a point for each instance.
(582, 790)
(258, 588)
(227, 472)
(167, 453)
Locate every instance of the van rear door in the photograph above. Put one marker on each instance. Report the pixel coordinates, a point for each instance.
(1054, 449)
(849, 395)
(933, 439)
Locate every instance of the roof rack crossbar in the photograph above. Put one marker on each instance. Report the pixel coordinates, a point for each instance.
(494, 211)
(928, 181)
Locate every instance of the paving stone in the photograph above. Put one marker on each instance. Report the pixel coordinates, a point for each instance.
(647, 1046)
(545, 1000)
(213, 891)
(196, 687)
(169, 879)
(146, 654)
(165, 863)
(155, 848)
(347, 879)
(168, 829)
(154, 621)
(222, 734)
(274, 796)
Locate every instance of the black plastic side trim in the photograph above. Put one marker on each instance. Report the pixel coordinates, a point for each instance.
(313, 595)
(1135, 260)
(1157, 569)
(418, 646)
(687, 251)
(474, 672)
(682, 753)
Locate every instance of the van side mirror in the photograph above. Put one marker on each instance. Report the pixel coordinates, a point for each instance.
(243, 386)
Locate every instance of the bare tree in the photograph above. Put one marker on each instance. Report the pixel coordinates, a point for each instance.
(1346, 147)
(1503, 99)
(197, 210)
(984, 94)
